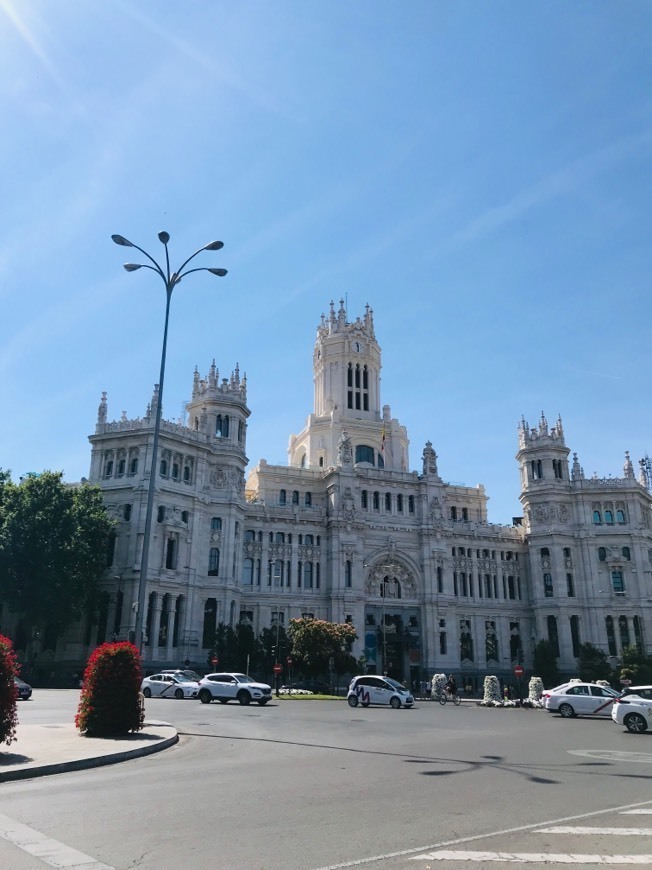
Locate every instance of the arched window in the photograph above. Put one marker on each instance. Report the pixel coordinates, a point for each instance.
(127, 512)
(213, 562)
(411, 504)
(175, 471)
(171, 553)
(249, 535)
(617, 581)
(241, 430)
(133, 466)
(620, 517)
(376, 501)
(609, 518)
(160, 515)
(364, 501)
(602, 554)
(364, 453)
(388, 502)
(163, 468)
(440, 580)
(121, 466)
(295, 496)
(308, 540)
(348, 574)
(399, 503)
(454, 514)
(597, 517)
(186, 473)
(308, 499)
(623, 629)
(626, 554)
(282, 497)
(307, 575)
(279, 537)
(302, 461)
(108, 468)
(547, 585)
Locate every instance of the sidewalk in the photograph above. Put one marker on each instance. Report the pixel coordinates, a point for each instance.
(44, 749)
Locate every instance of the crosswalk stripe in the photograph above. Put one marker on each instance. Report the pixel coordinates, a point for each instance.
(532, 858)
(569, 829)
(50, 851)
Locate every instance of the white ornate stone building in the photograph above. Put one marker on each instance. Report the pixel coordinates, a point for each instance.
(347, 532)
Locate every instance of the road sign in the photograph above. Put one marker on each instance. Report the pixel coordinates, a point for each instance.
(289, 660)
(214, 660)
(277, 669)
(518, 671)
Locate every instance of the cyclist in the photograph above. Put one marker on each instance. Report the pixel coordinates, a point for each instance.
(451, 686)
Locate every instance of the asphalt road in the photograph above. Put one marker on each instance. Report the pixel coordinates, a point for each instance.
(302, 785)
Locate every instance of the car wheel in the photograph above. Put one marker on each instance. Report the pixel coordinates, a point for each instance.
(263, 701)
(635, 723)
(205, 696)
(353, 701)
(244, 698)
(178, 694)
(395, 703)
(223, 700)
(566, 711)
(147, 692)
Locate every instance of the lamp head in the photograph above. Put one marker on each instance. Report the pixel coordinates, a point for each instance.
(213, 246)
(131, 267)
(220, 272)
(164, 237)
(120, 240)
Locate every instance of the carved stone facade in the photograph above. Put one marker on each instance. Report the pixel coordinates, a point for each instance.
(347, 532)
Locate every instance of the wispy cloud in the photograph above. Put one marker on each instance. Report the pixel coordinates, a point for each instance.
(553, 186)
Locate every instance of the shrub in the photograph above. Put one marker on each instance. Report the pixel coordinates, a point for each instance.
(8, 694)
(437, 684)
(492, 697)
(110, 698)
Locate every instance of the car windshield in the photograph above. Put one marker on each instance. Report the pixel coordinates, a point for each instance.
(395, 685)
(182, 678)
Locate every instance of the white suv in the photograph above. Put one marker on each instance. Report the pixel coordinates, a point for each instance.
(378, 690)
(634, 709)
(233, 687)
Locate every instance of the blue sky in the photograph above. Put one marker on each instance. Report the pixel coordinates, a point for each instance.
(480, 173)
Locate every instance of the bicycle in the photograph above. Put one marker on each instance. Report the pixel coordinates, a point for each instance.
(444, 697)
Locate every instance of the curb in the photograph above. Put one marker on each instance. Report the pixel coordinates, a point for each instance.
(86, 763)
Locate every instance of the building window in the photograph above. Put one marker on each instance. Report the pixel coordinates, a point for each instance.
(602, 554)
(623, 629)
(216, 524)
(248, 572)
(638, 634)
(597, 517)
(282, 497)
(465, 515)
(376, 501)
(186, 474)
(249, 535)
(611, 637)
(364, 502)
(547, 585)
(222, 426)
(440, 580)
(558, 469)
(620, 517)
(210, 623)
(626, 554)
(443, 647)
(575, 635)
(411, 504)
(133, 467)
(127, 512)
(308, 540)
(609, 518)
(163, 468)
(453, 514)
(295, 496)
(388, 502)
(617, 581)
(175, 471)
(567, 553)
(160, 515)
(213, 562)
(241, 431)
(553, 636)
(399, 503)
(570, 590)
(108, 468)
(121, 467)
(171, 554)
(511, 588)
(364, 453)
(307, 500)
(307, 575)
(348, 574)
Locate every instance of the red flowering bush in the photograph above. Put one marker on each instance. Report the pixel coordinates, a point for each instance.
(8, 670)
(110, 698)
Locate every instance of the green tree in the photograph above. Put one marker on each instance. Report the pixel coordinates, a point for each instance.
(53, 549)
(638, 664)
(545, 663)
(593, 664)
(316, 641)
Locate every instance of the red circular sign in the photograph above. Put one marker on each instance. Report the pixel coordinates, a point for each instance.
(214, 660)
(518, 671)
(277, 669)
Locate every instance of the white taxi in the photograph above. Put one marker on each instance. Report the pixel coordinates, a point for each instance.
(633, 711)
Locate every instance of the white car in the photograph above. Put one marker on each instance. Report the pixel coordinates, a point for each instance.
(169, 686)
(366, 690)
(233, 687)
(580, 699)
(634, 711)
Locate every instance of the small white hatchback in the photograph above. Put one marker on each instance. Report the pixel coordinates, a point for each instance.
(366, 690)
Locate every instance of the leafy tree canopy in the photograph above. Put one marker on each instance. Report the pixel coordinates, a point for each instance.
(593, 664)
(53, 548)
(636, 666)
(316, 641)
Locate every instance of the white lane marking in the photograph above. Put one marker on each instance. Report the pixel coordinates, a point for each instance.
(49, 851)
(404, 853)
(647, 812)
(613, 755)
(534, 858)
(569, 829)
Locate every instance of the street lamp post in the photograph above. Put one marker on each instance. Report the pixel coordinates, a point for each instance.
(170, 279)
